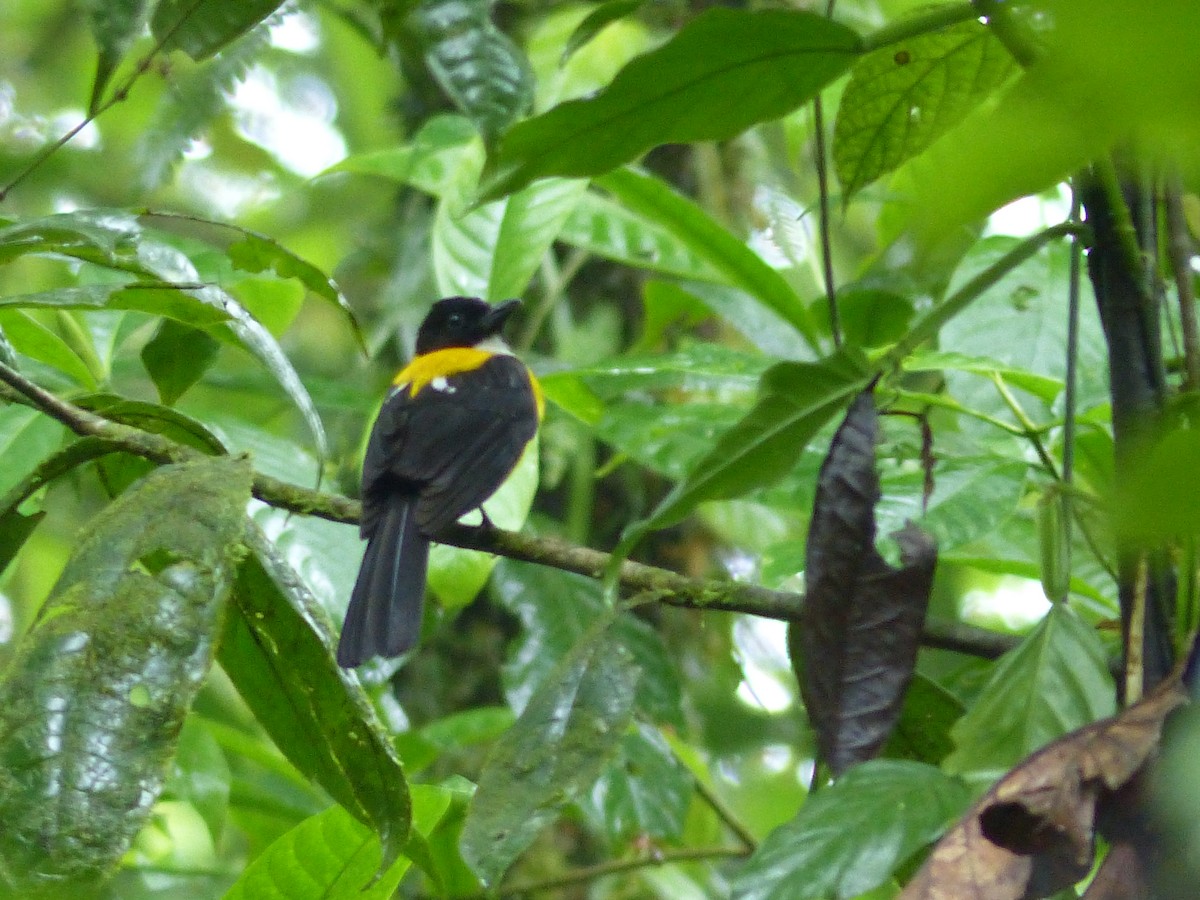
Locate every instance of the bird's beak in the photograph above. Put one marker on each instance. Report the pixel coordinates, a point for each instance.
(499, 315)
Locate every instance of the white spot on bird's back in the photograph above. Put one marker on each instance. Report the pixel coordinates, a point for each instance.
(441, 384)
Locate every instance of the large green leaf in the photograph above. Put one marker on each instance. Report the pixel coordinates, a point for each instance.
(609, 229)
(796, 400)
(721, 73)
(849, 837)
(702, 235)
(331, 855)
(904, 96)
(478, 66)
(536, 595)
(645, 790)
(1055, 681)
(29, 337)
(167, 283)
(200, 28)
(277, 650)
(571, 726)
(94, 699)
(493, 250)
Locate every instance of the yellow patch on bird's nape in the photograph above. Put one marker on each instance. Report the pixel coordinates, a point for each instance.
(428, 367)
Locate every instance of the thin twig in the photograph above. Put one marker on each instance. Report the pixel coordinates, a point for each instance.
(1180, 250)
(616, 867)
(835, 320)
(727, 816)
(119, 95)
(1072, 381)
(821, 158)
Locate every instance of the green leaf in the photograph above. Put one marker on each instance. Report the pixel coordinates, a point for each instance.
(277, 650)
(596, 21)
(109, 670)
(254, 252)
(692, 226)
(177, 357)
(536, 595)
(1055, 681)
(493, 250)
(200, 775)
(331, 855)
(15, 530)
(643, 791)
(31, 338)
(115, 25)
(852, 835)
(478, 66)
(558, 745)
(27, 437)
(429, 162)
(928, 714)
(609, 229)
(971, 497)
(721, 73)
(190, 304)
(200, 28)
(797, 399)
(903, 97)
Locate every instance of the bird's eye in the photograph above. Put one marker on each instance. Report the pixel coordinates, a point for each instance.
(455, 319)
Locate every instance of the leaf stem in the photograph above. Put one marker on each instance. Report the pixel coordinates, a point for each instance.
(592, 873)
(727, 816)
(933, 20)
(933, 321)
(1180, 249)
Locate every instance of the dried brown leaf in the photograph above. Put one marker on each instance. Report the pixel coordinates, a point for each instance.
(1032, 834)
(861, 625)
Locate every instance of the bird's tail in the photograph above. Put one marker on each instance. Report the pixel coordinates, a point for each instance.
(384, 616)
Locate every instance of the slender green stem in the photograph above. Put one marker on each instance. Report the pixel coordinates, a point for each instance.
(592, 873)
(1072, 379)
(1010, 29)
(1030, 430)
(727, 816)
(923, 23)
(81, 343)
(821, 160)
(117, 96)
(933, 321)
(1180, 249)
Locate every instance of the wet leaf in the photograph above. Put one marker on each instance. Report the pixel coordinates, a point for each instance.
(278, 652)
(796, 400)
(202, 28)
(850, 836)
(1033, 833)
(860, 628)
(904, 96)
(93, 702)
(721, 73)
(570, 728)
(479, 67)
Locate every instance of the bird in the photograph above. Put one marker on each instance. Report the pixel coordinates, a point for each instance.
(452, 428)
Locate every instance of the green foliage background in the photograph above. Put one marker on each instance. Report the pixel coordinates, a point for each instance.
(233, 255)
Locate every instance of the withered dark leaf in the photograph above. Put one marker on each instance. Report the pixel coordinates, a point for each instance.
(1033, 833)
(861, 625)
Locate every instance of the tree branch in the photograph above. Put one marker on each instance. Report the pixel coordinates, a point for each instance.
(667, 586)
